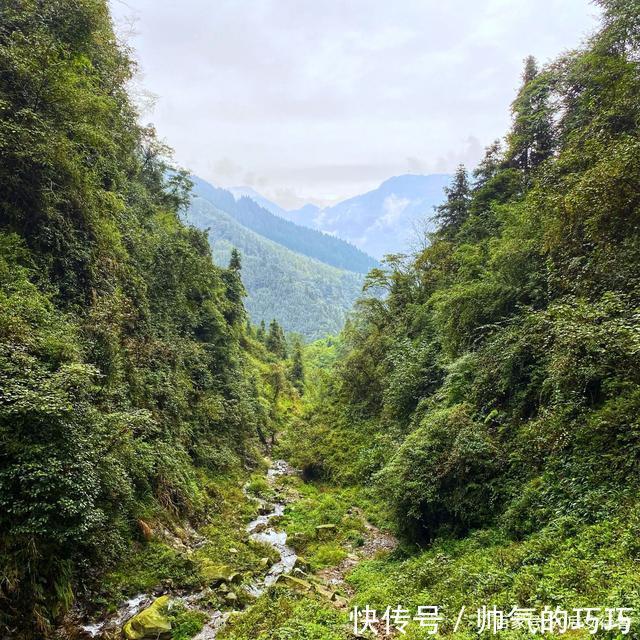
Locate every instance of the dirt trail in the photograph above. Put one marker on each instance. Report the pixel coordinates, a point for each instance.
(375, 541)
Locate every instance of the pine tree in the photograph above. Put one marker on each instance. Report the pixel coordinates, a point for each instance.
(454, 211)
(489, 166)
(261, 332)
(276, 342)
(531, 140)
(296, 373)
(235, 289)
(235, 263)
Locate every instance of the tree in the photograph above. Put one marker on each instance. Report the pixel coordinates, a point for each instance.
(452, 213)
(296, 373)
(261, 332)
(531, 139)
(235, 263)
(276, 342)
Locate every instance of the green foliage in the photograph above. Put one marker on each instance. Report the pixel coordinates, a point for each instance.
(275, 341)
(307, 296)
(281, 615)
(123, 355)
(496, 383)
(185, 624)
(565, 564)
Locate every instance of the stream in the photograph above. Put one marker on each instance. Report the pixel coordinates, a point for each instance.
(260, 530)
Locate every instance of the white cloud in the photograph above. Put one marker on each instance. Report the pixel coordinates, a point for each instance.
(329, 99)
(392, 207)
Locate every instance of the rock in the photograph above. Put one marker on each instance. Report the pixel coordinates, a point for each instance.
(216, 574)
(323, 591)
(297, 584)
(145, 530)
(265, 562)
(233, 550)
(223, 588)
(260, 527)
(231, 597)
(322, 530)
(150, 623)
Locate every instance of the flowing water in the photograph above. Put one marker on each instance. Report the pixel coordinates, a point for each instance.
(260, 530)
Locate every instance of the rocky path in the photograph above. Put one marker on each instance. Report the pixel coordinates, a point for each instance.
(328, 583)
(376, 541)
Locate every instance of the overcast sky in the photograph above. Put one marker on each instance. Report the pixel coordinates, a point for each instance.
(309, 100)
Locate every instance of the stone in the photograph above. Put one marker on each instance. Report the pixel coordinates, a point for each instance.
(296, 584)
(150, 623)
(216, 574)
(231, 597)
(264, 562)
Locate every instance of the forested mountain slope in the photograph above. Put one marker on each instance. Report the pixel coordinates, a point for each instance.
(305, 296)
(388, 219)
(309, 242)
(497, 386)
(127, 378)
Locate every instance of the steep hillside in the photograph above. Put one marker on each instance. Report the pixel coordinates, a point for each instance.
(308, 242)
(389, 219)
(305, 295)
(129, 383)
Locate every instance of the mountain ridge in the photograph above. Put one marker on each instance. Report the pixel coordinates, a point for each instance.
(378, 222)
(305, 295)
(313, 243)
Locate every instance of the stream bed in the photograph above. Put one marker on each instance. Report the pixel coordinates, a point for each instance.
(260, 530)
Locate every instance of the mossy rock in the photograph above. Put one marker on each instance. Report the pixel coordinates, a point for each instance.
(152, 622)
(216, 574)
(325, 530)
(296, 584)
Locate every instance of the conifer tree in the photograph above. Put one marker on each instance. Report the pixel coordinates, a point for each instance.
(296, 373)
(235, 262)
(531, 140)
(261, 332)
(276, 342)
(454, 211)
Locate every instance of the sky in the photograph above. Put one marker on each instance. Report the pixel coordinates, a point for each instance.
(316, 101)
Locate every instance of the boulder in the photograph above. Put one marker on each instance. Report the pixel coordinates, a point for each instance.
(296, 584)
(150, 623)
(216, 574)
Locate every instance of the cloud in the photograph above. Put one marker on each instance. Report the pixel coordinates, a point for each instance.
(330, 98)
(393, 207)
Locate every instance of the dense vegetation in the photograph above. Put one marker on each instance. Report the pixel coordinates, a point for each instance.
(307, 297)
(496, 386)
(127, 375)
(485, 406)
(308, 242)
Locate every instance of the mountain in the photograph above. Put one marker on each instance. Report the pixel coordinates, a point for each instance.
(305, 295)
(265, 203)
(385, 220)
(301, 239)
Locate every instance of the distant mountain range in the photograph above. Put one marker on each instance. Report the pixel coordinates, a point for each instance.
(306, 295)
(384, 220)
(258, 214)
(305, 267)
